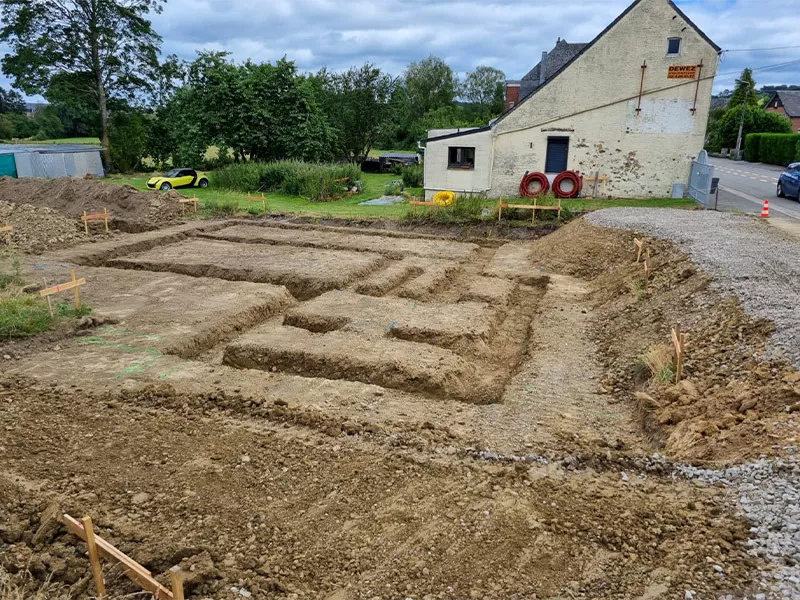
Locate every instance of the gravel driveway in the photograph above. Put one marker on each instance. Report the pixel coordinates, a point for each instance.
(747, 257)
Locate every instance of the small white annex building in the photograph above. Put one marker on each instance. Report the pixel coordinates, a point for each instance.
(632, 104)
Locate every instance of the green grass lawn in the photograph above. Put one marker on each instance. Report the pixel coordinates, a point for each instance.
(374, 187)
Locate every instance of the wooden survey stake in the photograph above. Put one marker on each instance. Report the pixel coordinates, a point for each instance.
(133, 570)
(185, 201)
(74, 284)
(532, 207)
(262, 199)
(8, 229)
(678, 340)
(93, 217)
(641, 245)
(94, 557)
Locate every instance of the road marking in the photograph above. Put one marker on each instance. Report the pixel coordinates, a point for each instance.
(760, 202)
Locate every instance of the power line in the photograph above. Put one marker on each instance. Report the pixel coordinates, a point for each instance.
(761, 49)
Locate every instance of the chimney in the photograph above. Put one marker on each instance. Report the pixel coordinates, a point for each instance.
(512, 94)
(543, 69)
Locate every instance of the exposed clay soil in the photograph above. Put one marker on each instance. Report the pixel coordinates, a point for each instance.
(131, 210)
(405, 426)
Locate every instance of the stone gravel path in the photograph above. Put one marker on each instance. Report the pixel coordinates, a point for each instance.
(747, 257)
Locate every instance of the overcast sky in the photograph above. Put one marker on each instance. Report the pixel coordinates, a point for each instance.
(509, 35)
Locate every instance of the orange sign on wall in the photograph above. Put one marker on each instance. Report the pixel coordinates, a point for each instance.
(682, 72)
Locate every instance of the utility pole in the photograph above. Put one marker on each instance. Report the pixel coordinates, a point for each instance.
(741, 122)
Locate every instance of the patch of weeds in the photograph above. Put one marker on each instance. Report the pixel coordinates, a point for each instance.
(636, 288)
(658, 362)
(14, 277)
(467, 209)
(224, 207)
(23, 315)
(394, 187)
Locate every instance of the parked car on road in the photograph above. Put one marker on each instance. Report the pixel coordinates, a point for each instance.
(789, 182)
(178, 178)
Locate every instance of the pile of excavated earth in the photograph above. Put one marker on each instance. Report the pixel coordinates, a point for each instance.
(46, 213)
(286, 409)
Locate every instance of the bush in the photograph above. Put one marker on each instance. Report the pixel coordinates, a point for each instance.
(773, 148)
(413, 176)
(316, 181)
(797, 152)
(394, 188)
(6, 128)
(127, 138)
(751, 143)
(756, 120)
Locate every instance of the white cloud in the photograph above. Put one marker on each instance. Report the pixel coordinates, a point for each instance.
(507, 34)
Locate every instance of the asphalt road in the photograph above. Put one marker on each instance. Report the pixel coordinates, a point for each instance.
(744, 186)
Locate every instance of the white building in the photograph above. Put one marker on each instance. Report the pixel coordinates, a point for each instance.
(632, 104)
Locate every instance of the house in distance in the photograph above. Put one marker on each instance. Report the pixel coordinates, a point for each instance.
(632, 104)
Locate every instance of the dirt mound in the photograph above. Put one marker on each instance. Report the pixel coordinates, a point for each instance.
(734, 403)
(38, 229)
(131, 210)
(291, 513)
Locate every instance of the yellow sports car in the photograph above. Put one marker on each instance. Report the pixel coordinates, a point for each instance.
(178, 178)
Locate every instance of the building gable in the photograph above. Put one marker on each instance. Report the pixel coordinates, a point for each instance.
(588, 49)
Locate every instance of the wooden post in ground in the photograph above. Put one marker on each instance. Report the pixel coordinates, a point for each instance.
(49, 302)
(85, 223)
(678, 340)
(105, 212)
(94, 558)
(76, 291)
(176, 581)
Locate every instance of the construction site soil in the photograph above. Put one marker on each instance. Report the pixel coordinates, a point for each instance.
(131, 210)
(293, 410)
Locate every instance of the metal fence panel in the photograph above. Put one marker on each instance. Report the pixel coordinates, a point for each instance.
(700, 183)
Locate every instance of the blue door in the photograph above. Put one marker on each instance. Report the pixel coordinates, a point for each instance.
(8, 166)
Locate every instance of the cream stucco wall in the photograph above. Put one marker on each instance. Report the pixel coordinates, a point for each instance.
(593, 102)
(439, 177)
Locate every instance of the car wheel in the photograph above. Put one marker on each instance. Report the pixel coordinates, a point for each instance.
(203, 183)
(166, 186)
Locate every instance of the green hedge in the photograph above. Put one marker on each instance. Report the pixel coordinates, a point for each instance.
(752, 142)
(797, 153)
(296, 178)
(772, 148)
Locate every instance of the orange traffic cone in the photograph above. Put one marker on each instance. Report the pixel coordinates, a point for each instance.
(765, 210)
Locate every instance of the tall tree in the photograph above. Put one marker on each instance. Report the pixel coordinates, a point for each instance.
(745, 88)
(480, 86)
(110, 41)
(357, 105)
(11, 101)
(431, 84)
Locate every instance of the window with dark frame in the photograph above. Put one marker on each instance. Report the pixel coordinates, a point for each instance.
(673, 46)
(460, 158)
(557, 154)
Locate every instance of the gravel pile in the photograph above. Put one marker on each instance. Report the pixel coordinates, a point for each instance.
(769, 495)
(758, 264)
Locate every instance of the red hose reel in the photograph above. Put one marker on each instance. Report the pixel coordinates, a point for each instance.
(567, 184)
(529, 178)
(561, 190)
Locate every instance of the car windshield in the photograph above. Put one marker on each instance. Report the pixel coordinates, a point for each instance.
(172, 173)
